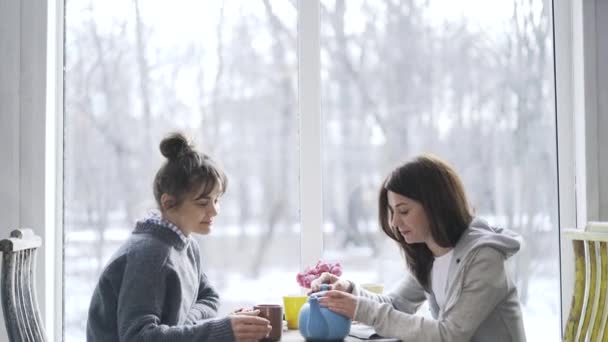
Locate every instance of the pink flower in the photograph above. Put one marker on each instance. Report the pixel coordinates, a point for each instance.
(336, 270)
(323, 268)
(306, 277)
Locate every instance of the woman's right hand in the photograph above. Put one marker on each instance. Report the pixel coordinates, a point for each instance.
(249, 328)
(334, 282)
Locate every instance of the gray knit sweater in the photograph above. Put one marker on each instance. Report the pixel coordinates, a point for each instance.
(154, 289)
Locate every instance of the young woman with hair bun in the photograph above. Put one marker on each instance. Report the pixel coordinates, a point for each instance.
(154, 287)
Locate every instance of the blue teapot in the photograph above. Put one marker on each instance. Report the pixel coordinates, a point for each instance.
(317, 323)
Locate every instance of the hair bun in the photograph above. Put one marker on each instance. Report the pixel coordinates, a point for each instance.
(174, 146)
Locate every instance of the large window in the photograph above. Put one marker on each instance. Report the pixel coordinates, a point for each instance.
(223, 71)
(471, 81)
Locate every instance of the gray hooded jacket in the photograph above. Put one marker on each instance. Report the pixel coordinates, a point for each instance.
(481, 300)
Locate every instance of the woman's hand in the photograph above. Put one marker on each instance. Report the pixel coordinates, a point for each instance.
(339, 302)
(334, 282)
(247, 327)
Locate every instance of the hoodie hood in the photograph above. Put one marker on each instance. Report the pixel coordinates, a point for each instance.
(478, 235)
(481, 234)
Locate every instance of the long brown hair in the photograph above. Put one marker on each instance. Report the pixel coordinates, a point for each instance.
(435, 184)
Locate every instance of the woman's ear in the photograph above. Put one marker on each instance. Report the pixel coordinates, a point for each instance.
(167, 201)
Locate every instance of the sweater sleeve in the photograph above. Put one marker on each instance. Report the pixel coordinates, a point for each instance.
(484, 286)
(407, 297)
(207, 302)
(146, 280)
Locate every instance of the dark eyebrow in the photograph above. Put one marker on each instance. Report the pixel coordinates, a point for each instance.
(202, 196)
(396, 206)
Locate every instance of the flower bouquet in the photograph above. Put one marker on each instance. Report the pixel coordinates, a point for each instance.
(306, 277)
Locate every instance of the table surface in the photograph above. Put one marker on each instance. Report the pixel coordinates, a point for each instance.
(294, 336)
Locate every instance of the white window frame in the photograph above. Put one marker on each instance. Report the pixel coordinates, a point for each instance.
(579, 158)
(53, 295)
(583, 196)
(563, 60)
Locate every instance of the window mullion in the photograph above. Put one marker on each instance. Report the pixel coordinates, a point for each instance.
(309, 94)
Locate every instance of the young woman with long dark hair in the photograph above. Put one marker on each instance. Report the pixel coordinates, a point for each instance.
(455, 261)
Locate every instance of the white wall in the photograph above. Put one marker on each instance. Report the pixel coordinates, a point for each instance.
(9, 122)
(22, 115)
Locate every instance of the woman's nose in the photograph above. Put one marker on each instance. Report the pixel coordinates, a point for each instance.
(393, 221)
(215, 209)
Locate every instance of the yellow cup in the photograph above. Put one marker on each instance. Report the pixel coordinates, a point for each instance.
(373, 287)
(292, 306)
